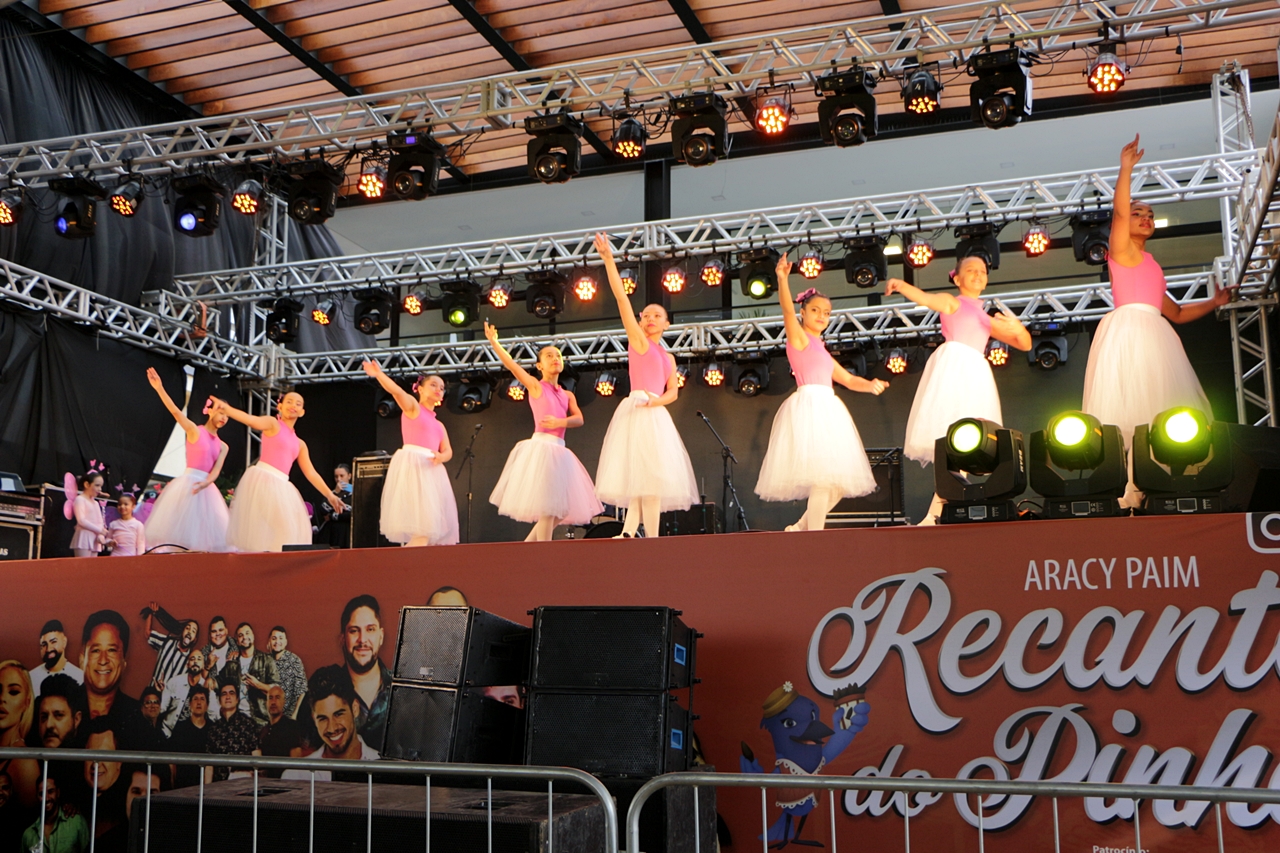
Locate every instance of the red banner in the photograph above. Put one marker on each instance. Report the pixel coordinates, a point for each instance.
(1135, 650)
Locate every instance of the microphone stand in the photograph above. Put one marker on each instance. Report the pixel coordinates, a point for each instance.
(726, 455)
(468, 462)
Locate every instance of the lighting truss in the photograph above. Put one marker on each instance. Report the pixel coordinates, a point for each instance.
(735, 66)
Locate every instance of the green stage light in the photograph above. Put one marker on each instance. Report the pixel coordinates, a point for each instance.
(1069, 430)
(1180, 437)
(971, 445)
(1074, 441)
(965, 436)
(979, 468)
(1090, 472)
(460, 303)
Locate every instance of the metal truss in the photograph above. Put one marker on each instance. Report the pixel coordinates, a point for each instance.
(171, 332)
(1203, 177)
(1233, 111)
(868, 326)
(736, 66)
(1251, 348)
(1253, 261)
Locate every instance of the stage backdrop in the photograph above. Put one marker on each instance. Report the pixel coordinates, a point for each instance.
(1139, 649)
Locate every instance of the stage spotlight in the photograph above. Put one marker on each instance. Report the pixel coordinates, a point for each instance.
(704, 112)
(544, 298)
(920, 92)
(629, 281)
(811, 264)
(851, 357)
(323, 312)
(248, 196)
(127, 198)
(11, 202)
(919, 252)
(629, 139)
(682, 375)
(896, 361)
(1212, 466)
(1106, 72)
(758, 274)
(1048, 344)
(413, 172)
(313, 190)
(1092, 453)
(997, 353)
(387, 407)
(500, 294)
(847, 113)
(750, 377)
(282, 321)
(555, 152)
(198, 207)
(374, 308)
(473, 394)
(1090, 234)
(713, 375)
(774, 115)
(373, 179)
(413, 303)
(515, 390)
(1036, 241)
(460, 303)
(584, 286)
(673, 279)
(606, 383)
(979, 240)
(712, 273)
(1180, 438)
(77, 215)
(1001, 96)
(864, 261)
(974, 448)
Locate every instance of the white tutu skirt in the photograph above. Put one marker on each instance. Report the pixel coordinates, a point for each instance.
(267, 512)
(196, 522)
(957, 383)
(542, 477)
(814, 444)
(643, 456)
(417, 499)
(1137, 369)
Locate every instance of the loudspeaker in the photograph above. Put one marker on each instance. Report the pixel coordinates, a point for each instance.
(460, 647)
(885, 504)
(697, 519)
(607, 734)
(450, 724)
(368, 475)
(459, 819)
(18, 541)
(611, 648)
(667, 820)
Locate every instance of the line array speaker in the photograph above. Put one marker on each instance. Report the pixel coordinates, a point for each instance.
(452, 724)
(607, 734)
(460, 647)
(611, 648)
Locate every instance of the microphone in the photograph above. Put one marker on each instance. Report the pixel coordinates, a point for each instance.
(698, 413)
(479, 427)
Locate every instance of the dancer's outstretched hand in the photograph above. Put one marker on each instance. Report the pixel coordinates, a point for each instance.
(879, 386)
(892, 286)
(371, 368)
(603, 246)
(154, 378)
(784, 266)
(491, 332)
(1131, 154)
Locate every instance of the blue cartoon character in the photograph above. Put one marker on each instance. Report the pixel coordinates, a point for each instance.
(802, 746)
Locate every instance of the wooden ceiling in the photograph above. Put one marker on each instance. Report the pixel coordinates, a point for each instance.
(228, 56)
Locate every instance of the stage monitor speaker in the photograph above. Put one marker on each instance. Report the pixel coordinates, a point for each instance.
(697, 519)
(19, 541)
(885, 504)
(611, 648)
(666, 822)
(449, 724)
(459, 819)
(607, 734)
(461, 647)
(368, 475)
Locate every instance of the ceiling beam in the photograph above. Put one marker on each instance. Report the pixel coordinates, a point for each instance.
(689, 18)
(306, 57)
(482, 26)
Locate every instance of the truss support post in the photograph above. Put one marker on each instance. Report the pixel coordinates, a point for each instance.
(657, 206)
(1251, 353)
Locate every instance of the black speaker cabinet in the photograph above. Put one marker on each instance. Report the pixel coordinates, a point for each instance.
(697, 519)
(461, 647)
(885, 504)
(607, 734)
(19, 541)
(450, 724)
(667, 820)
(611, 648)
(459, 819)
(368, 475)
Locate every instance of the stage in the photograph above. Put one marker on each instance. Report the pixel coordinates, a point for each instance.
(1069, 650)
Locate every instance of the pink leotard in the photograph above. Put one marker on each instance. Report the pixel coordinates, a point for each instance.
(280, 450)
(812, 365)
(422, 431)
(203, 454)
(649, 372)
(1143, 284)
(969, 324)
(555, 402)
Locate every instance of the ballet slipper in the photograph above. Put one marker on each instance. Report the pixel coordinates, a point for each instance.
(927, 521)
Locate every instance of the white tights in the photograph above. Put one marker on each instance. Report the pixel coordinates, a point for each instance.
(543, 530)
(645, 510)
(821, 500)
(84, 552)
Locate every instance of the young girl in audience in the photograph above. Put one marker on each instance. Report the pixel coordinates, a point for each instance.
(815, 452)
(543, 482)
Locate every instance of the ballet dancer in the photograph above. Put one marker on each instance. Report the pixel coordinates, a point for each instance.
(190, 511)
(267, 511)
(957, 381)
(418, 507)
(643, 463)
(543, 482)
(1137, 366)
(815, 453)
(91, 527)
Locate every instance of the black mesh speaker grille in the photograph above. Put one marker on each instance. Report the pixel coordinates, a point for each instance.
(618, 734)
(614, 648)
(420, 723)
(433, 644)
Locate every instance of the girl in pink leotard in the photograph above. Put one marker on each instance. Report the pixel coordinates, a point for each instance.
(1137, 366)
(815, 452)
(188, 512)
(543, 482)
(91, 526)
(267, 511)
(957, 382)
(643, 463)
(418, 506)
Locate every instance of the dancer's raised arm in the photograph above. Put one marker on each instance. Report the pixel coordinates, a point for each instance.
(188, 426)
(406, 401)
(796, 335)
(635, 335)
(943, 303)
(527, 379)
(1120, 246)
(265, 424)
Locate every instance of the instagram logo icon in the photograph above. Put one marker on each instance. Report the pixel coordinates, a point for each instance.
(1264, 532)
